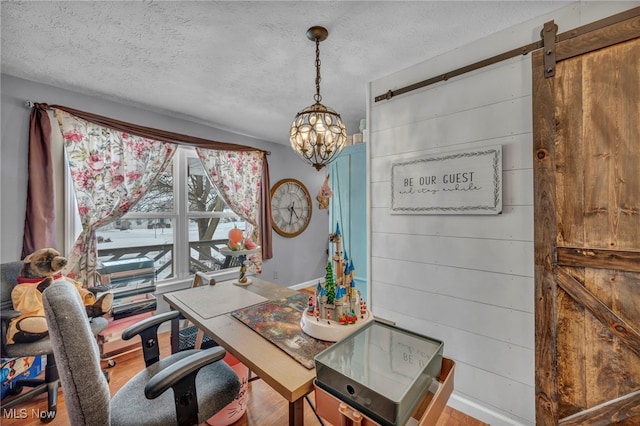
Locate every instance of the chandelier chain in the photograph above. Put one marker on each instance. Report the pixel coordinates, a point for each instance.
(317, 133)
(317, 96)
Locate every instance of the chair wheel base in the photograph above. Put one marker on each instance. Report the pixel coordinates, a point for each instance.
(49, 415)
(16, 390)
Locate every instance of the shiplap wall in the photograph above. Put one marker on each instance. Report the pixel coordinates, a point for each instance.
(465, 279)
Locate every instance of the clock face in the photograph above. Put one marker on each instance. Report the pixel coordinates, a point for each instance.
(290, 207)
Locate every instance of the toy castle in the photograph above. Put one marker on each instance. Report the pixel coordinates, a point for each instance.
(336, 310)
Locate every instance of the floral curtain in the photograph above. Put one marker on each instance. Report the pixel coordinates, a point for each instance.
(111, 171)
(40, 218)
(238, 177)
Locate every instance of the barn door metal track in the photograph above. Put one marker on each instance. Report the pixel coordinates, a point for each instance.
(549, 40)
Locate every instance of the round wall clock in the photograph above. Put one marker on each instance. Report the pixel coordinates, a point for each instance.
(290, 207)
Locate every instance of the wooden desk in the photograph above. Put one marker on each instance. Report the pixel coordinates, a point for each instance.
(284, 374)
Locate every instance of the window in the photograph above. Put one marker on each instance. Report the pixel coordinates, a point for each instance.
(181, 223)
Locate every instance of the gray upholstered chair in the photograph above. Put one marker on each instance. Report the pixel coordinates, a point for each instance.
(8, 279)
(185, 388)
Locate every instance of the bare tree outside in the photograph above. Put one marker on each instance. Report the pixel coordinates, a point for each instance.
(202, 198)
(149, 228)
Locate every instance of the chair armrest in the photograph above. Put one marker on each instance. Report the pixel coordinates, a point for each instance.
(180, 370)
(147, 323)
(148, 331)
(8, 314)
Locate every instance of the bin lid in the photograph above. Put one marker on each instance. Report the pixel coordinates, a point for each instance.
(383, 358)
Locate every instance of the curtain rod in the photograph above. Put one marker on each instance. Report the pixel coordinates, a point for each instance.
(523, 50)
(31, 104)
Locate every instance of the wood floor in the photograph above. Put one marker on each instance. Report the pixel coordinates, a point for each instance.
(265, 407)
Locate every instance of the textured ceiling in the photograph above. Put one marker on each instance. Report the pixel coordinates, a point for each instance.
(241, 66)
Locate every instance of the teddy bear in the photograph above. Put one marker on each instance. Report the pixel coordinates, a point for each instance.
(39, 270)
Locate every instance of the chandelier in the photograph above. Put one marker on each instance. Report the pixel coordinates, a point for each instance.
(317, 133)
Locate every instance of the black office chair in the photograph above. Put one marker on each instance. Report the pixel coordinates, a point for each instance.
(185, 388)
(50, 383)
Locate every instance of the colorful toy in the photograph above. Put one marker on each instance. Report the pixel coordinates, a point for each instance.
(324, 196)
(336, 306)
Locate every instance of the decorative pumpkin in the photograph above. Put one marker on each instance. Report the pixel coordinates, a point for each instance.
(235, 235)
(235, 239)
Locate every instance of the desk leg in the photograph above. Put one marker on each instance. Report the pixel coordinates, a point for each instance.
(175, 335)
(296, 412)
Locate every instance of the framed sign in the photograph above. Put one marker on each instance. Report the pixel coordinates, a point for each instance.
(461, 182)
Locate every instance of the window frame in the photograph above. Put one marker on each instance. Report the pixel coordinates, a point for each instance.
(180, 217)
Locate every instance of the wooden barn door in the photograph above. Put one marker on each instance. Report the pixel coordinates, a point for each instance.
(586, 122)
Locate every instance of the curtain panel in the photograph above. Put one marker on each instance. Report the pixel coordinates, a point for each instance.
(40, 205)
(237, 176)
(39, 222)
(111, 171)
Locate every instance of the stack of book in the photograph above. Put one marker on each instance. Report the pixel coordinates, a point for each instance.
(132, 283)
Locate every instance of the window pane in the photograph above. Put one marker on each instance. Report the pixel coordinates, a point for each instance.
(155, 224)
(206, 237)
(159, 198)
(203, 196)
(129, 238)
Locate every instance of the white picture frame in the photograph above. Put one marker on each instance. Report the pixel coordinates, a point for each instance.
(458, 182)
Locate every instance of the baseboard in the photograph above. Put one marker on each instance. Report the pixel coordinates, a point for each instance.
(306, 284)
(482, 413)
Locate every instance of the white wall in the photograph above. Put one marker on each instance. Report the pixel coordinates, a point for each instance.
(296, 260)
(465, 279)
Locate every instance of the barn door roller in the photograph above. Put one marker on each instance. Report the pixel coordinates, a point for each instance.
(548, 35)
